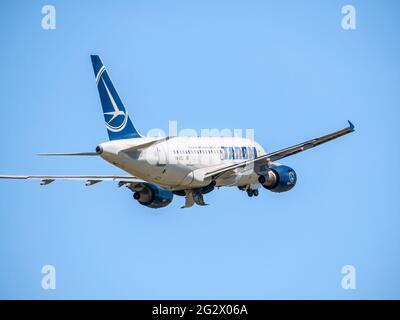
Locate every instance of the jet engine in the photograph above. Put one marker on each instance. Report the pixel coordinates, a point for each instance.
(153, 196)
(278, 178)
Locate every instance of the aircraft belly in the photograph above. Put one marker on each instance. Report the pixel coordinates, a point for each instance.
(237, 180)
(166, 175)
(177, 176)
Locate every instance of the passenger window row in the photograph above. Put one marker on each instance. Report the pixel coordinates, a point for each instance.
(227, 153)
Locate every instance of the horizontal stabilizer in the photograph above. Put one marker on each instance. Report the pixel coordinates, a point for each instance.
(69, 154)
(145, 145)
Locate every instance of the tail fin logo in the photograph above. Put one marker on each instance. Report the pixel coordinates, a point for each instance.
(115, 124)
(118, 123)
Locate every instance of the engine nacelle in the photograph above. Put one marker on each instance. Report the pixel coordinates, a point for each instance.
(153, 196)
(279, 179)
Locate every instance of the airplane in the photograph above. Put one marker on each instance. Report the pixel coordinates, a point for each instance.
(161, 167)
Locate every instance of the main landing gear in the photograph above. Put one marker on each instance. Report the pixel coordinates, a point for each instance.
(252, 192)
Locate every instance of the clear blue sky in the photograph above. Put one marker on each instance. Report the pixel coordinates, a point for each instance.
(284, 68)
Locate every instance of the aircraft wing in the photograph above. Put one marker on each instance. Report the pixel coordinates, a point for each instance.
(280, 154)
(277, 155)
(89, 180)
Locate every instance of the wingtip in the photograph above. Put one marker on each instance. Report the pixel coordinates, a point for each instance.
(351, 125)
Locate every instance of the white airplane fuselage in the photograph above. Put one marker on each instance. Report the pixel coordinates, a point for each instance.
(161, 167)
(179, 162)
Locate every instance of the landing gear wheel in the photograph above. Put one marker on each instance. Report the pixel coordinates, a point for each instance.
(250, 192)
(255, 192)
(136, 195)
